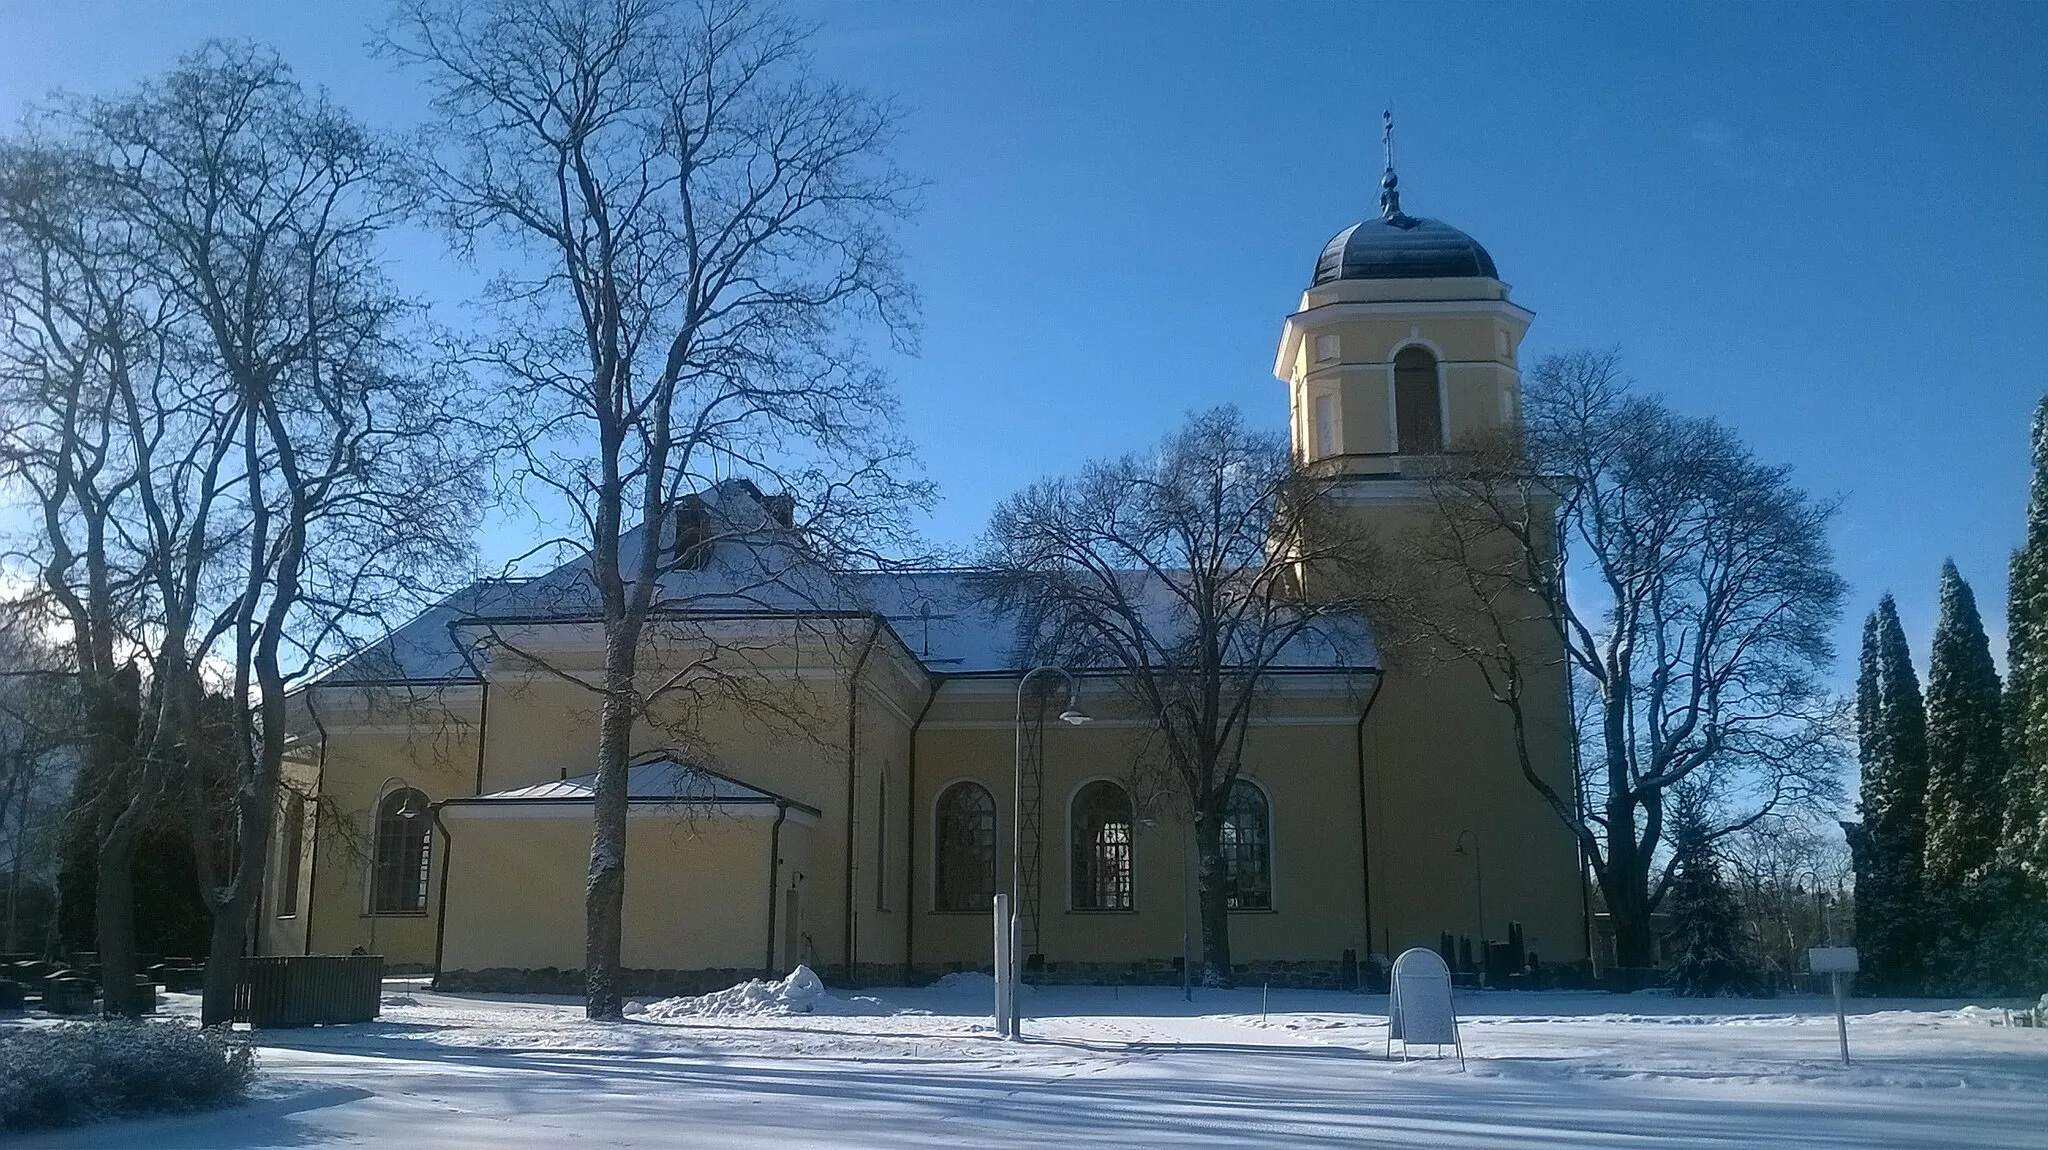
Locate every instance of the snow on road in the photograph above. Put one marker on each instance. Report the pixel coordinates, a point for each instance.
(1132, 1067)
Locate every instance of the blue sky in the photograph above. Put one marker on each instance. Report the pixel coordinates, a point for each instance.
(1824, 225)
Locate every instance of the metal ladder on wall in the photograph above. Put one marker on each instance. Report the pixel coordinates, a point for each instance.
(1031, 830)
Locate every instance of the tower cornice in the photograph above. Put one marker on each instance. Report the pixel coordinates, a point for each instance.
(1299, 323)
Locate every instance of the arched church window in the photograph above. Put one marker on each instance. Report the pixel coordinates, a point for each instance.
(965, 859)
(399, 877)
(1247, 848)
(1101, 840)
(1418, 403)
(292, 844)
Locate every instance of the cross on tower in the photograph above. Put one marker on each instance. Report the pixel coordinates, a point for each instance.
(1390, 184)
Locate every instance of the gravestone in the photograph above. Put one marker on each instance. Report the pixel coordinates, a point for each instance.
(1419, 1004)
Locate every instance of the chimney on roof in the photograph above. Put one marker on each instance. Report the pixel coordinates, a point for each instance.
(781, 508)
(693, 533)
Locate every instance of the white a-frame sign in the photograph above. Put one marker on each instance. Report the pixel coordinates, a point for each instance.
(1419, 1004)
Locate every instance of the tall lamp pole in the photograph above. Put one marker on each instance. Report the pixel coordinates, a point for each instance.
(1478, 881)
(1073, 716)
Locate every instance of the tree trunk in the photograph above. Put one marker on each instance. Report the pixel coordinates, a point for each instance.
(1628, 909)
(114, 924)
(223, 964)
(605, 899)
(1209, 897)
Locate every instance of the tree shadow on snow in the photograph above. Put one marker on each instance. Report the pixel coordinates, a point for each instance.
(266, 1122)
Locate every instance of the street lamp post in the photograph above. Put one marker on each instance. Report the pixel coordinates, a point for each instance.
(1478, 883)
(1073, 716)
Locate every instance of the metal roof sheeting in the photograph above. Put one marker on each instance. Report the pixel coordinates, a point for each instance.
(1402, 247)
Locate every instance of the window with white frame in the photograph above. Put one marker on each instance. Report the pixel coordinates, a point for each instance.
(1101, 838)
(1418, 402)
(292, 846)
(964, 863)
(399, 881)
(1246, 843)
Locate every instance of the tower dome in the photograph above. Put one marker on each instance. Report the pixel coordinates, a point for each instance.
(1401, 246)
(1396, 245)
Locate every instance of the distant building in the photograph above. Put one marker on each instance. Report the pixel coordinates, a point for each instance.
(854, 809)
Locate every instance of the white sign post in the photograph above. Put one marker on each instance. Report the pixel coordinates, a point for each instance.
(1005, 999)
(1835, 961)
(1419, 1004)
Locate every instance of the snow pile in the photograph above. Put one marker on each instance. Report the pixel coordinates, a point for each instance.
(966, 982)
(970, 984)
(803, 992)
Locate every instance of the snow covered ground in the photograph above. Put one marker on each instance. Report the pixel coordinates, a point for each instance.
(1130, 1067)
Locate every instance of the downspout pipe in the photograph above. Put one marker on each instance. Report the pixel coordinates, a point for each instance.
(441, 918)
(911, 834)
(1379, 680)
(483, 714)
(768, 967)
(313, 860)
(853, 780)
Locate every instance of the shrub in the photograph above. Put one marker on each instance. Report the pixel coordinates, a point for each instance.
(76, 1072)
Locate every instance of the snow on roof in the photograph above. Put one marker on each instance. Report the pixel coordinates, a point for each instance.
(662, 779)
(421, 649)
(950, 625)
(939, 614)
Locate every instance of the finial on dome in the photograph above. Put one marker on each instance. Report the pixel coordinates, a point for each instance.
(1390, 184)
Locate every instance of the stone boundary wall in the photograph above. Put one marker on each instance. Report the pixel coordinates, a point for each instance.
(1298, 974)
(1321, 975)
(1294, 974)
(550, 980)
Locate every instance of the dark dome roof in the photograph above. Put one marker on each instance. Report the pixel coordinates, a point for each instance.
(1401, 246)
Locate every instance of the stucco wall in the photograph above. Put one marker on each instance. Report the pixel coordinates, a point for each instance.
(376, 739)
(1438, 760)
(696, 891)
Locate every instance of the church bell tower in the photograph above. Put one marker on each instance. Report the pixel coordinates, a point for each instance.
(1405, 342)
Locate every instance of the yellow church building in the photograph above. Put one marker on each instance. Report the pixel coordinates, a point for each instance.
(853, 805)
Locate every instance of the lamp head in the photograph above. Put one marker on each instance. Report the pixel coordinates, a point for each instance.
(1074, 716)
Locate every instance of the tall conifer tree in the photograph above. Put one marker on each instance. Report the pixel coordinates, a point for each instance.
(2026, 699)
(1891, 729)
(1711, 958)
(2003, 945)
(1966, 759)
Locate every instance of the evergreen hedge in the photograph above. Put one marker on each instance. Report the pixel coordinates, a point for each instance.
(75, 1072)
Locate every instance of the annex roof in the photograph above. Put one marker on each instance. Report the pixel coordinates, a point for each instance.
(662, 780)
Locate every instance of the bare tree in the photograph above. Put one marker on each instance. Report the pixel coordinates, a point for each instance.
(1792, 879)
(38, 752)
(1687, 588)
(239, 469)
(342, 471)
(1180, 573)
(81, 330)
(701, 233)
